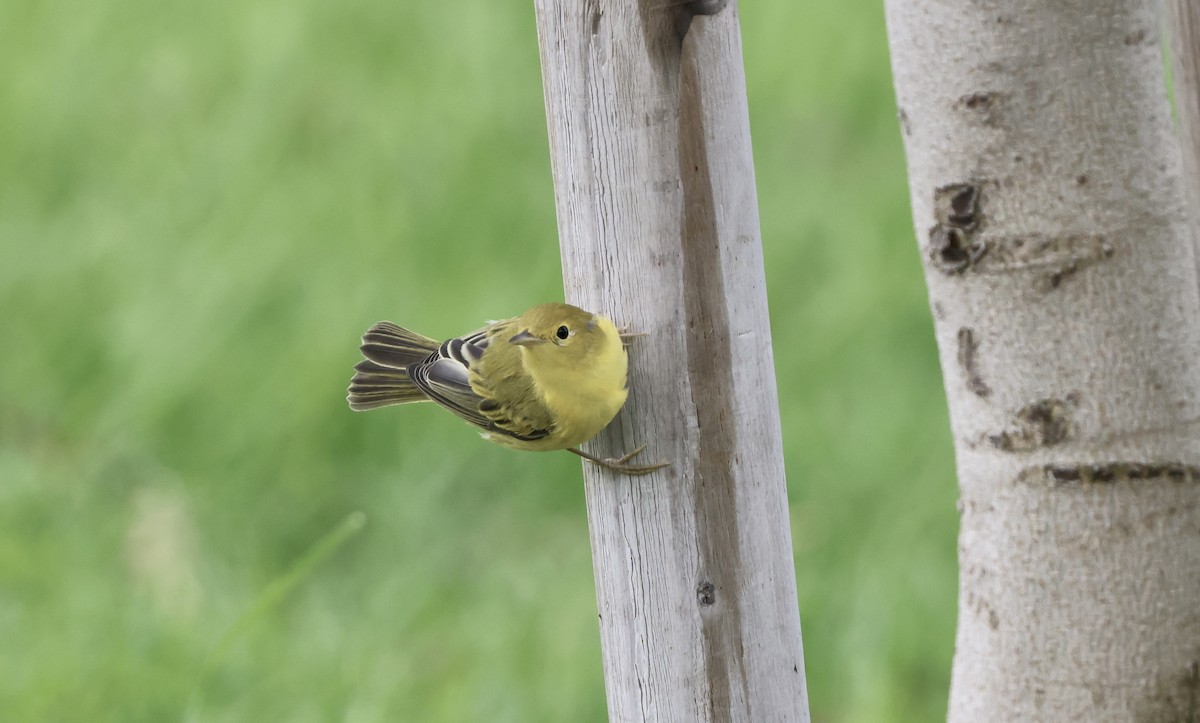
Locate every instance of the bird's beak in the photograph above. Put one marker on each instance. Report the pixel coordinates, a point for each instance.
(526, 339)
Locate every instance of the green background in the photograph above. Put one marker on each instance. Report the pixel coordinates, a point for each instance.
(202, 206)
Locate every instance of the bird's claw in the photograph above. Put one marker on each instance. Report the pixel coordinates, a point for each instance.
(620, 464)
(628, 337)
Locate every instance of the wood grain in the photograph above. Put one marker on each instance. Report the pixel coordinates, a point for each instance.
(1183, 21)
(658, 226)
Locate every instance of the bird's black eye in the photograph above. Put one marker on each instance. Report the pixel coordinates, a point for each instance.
(563, 332)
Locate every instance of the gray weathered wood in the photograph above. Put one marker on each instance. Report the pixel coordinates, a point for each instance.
(1184, 23)
(658, 225)
(1051, 217)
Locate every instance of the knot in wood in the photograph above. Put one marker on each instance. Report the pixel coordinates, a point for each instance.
(706, 593)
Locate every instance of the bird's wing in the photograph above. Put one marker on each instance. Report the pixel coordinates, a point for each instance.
(445, 377)
(524, 422)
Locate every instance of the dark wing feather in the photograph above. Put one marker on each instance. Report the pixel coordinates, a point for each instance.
(445, 377)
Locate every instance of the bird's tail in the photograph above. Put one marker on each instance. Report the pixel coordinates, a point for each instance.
(380, 380)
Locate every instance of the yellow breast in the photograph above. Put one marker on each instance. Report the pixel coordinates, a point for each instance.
(586, 396)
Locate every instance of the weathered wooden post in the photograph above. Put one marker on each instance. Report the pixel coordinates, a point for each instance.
(658, 223)
(1184, 23)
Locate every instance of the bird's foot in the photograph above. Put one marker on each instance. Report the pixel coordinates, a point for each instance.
(621, 464)
(628, 337)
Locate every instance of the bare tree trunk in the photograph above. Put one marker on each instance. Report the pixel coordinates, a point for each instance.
(658, 225)
(1185, 62)
(1047, 197)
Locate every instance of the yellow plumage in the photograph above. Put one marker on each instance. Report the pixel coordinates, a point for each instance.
(549, 379)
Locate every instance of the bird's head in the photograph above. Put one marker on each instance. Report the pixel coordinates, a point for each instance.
(563, 331)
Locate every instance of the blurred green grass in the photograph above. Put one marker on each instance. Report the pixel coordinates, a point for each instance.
(202, 206)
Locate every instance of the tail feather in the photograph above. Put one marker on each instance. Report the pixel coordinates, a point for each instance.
(375, 385)
(394, 346)
(380, 380)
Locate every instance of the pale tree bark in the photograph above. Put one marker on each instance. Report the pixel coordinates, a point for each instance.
(658, 226)
(1047, 197)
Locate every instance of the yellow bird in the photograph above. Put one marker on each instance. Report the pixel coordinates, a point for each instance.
(549, 379)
